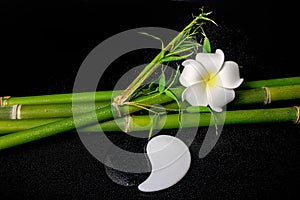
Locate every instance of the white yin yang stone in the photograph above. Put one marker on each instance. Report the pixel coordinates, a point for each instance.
(170, 160)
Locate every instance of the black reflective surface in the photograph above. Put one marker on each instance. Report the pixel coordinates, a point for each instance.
(43, 45)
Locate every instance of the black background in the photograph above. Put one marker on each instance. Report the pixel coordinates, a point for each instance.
(43, 44)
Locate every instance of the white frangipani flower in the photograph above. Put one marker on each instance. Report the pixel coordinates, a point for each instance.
(210, 80)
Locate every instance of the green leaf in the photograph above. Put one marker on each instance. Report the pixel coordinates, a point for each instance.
(154, 121)
(153, 85)
(180, 51)
(157, 38)
(175, 79)
(175, 58)
(206, 45)
(214, 116)
(162, 82)
(174, 97)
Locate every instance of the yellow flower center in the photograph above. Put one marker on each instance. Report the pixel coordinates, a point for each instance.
(210, 79)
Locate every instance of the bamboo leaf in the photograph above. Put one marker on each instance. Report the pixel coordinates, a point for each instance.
(154, 121)
(206, 46)
(153, 85)
(175, 58)
(181, 50)
(213, 115)
(157, 38)
(175, 79)
(170, 94)
(162, 82)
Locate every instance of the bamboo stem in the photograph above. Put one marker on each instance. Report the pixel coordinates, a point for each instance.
(67, 124)
(58, 110)
(12, 125)
(170, 121)
(271, 82)
(243, 97)
(266, 95)
(100, 96)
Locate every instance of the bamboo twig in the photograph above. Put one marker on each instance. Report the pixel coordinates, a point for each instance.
(158, 60)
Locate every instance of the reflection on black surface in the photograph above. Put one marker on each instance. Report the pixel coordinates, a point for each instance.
(43, 45)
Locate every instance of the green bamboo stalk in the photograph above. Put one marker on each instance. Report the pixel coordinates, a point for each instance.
(67, 124)
(100, 96)
(8, 112)
(170, 121)
(13, 125)
(243, 97)
(48, 110)
(270, 82)
(266, 95)
(107, 113)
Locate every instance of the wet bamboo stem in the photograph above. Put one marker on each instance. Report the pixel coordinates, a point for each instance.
(98, 96)
(270, 82)
(170, 121)
(12, 125)
(253, 116)
(108, 95)
(266, 95)
(243, 97)
(81, 120)
(49, 110)
(15, 125)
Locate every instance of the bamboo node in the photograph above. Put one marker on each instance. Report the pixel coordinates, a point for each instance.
(267, 95)
(14, 112)
(3, 101)
(127, 123)
(18, 111)
(116, 106)
(298, 115)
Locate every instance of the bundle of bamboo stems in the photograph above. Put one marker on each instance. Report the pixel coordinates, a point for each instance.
(25, 119)
(30, 118)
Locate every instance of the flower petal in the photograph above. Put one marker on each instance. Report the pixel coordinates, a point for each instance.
(219, 97)
(230, 75)
(195, 95)
(191, 73)
(211, 61)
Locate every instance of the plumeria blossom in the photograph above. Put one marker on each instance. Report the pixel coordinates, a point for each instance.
(210, 81)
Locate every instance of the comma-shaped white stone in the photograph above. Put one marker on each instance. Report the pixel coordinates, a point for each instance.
(170, 159)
